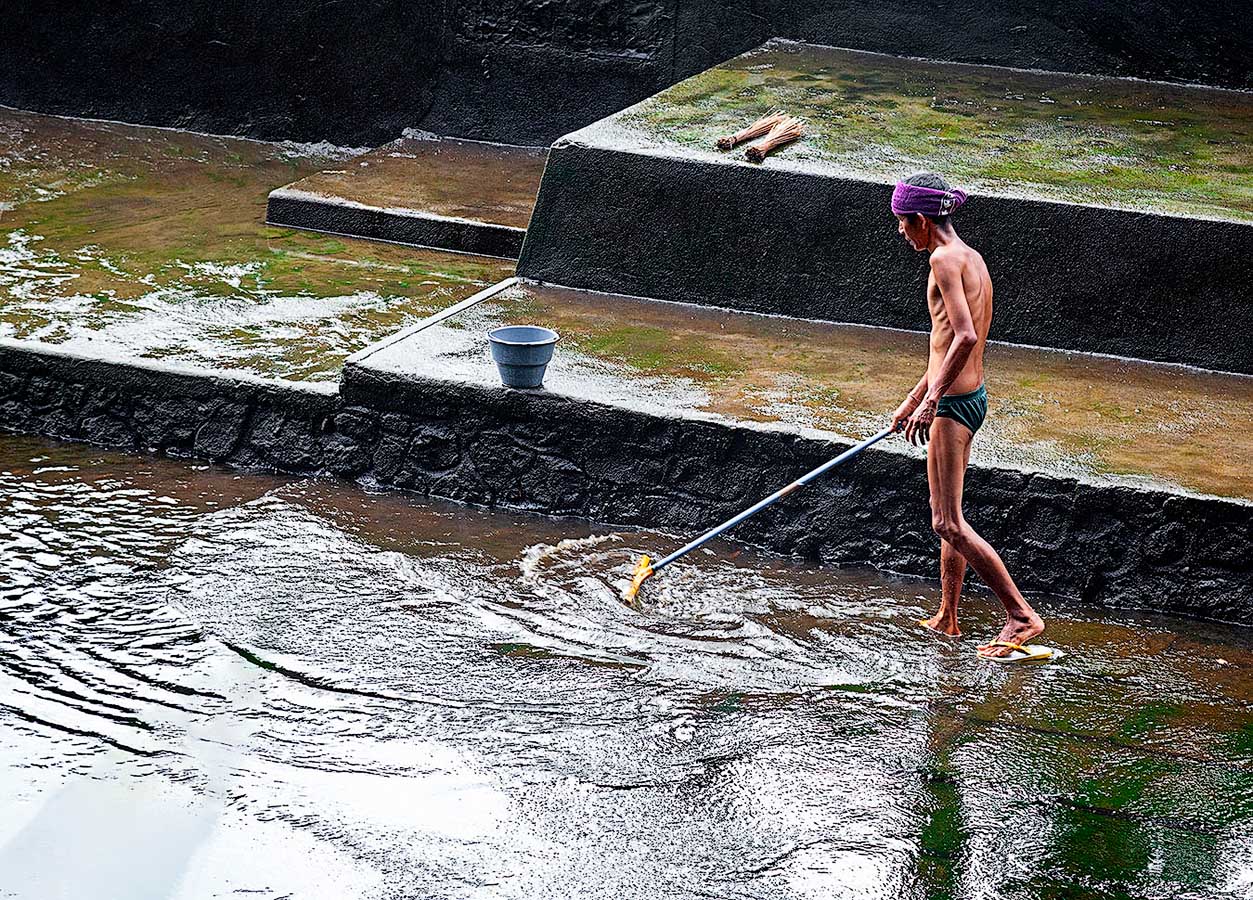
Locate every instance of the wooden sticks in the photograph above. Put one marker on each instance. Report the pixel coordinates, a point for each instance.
(778, 127)
(784, 132)
(757, 129)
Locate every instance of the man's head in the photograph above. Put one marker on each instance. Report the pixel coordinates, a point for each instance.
(923, 204)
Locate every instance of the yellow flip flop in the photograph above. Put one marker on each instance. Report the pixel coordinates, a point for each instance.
(1022, 652)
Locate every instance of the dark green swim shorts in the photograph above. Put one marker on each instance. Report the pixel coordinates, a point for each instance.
(969, 409)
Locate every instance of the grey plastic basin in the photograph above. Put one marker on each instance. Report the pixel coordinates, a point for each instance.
(522, 353)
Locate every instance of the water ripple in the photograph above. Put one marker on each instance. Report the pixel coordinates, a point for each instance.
(295, 688)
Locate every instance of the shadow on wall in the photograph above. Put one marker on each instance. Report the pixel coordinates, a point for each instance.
(527, 71)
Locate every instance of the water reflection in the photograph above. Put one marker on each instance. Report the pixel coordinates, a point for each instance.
(215, 683)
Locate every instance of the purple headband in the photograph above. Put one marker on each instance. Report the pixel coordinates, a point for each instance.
(913, 198)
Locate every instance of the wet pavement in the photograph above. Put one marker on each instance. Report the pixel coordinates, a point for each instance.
(470, 180)
(1112, 142)
(217, 684)
(150, 242)
(1051, 411)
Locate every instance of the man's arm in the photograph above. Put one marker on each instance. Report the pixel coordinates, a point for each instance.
(910, 403)
(948, 277)
(920, 389)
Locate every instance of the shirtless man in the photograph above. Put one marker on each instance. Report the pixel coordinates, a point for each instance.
(949, 403)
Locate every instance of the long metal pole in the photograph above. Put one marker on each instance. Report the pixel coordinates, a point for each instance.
(777, 495)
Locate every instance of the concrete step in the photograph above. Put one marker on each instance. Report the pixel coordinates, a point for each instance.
(1108, 420)
(425, 191)
(1099, 478)
(1115, 214)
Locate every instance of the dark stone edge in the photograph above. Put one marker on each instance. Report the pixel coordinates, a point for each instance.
(153, 407)
(540, 451)
(544, 453)
(1070, 277)
(414, 228)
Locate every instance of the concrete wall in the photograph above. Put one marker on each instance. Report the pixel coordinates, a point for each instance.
(527, 71)
(1081, 278)
(297, 209)
(542, 452)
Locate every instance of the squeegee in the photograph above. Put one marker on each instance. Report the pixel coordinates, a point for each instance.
(646, 568)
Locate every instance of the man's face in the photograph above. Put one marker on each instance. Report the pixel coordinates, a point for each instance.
(914, 228)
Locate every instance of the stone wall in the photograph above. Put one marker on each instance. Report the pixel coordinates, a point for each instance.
(528, 71)
(545, 453)
(150, 407)
(1097, 280)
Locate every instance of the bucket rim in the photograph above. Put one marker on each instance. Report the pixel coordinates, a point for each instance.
(551, 338)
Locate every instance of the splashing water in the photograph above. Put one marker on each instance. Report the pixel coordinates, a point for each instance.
(293, 688)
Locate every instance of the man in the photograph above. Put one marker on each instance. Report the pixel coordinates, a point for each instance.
(947, 406)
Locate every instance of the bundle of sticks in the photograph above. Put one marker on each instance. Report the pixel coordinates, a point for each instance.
(756, 130)
(778, 128)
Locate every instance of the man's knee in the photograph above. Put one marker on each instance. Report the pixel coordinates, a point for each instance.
(949, 528)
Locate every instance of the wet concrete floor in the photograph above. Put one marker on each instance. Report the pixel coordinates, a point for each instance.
(150, 242)
(217, 684)
(1052, 411)
(1114, 142)
(492, 183)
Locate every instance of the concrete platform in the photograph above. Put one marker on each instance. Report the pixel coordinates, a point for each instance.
(124, 240)
(617, 437)
(1064, 414)
(645, 457)
(1116, 215)
(448, 194)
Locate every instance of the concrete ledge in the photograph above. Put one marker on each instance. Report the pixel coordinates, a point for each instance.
(152, 407)
(538, 451)
(299, 209)
(779, 239)
(1139, 424)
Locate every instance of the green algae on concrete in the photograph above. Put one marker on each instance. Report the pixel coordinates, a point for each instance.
(1064, 413)
(1123, 809)
(151, 241)
(478, 182)
(1107, 141)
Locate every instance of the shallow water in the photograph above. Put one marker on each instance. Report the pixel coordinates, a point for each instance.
(216, 684)
(151, 243)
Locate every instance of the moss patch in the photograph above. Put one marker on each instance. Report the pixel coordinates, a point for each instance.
(1116, 142)
(153, 240)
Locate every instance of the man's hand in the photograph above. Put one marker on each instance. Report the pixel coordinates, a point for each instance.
(903, 412)
(918, 425)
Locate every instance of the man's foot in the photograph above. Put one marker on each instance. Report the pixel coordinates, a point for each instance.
(1016, 631)
(942, 624)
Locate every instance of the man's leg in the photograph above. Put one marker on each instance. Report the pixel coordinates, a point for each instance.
(947, 455)
(952, 574)
(952, 577)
